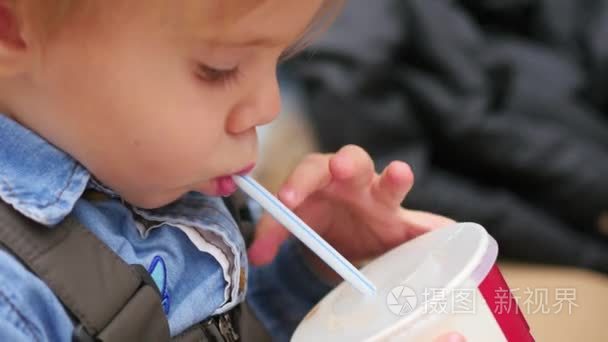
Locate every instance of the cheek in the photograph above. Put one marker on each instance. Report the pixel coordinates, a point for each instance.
(139, 124)
(164, 117)
(157, 163)
(142, 134)
(173, 148)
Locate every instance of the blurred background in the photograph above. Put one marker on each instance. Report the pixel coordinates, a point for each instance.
(501, 109)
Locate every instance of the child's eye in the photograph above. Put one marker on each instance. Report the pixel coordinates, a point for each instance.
(213, 75)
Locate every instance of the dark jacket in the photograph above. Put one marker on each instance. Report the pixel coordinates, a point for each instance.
(499, 106)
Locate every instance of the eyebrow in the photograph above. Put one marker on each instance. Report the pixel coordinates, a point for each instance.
(265, 42)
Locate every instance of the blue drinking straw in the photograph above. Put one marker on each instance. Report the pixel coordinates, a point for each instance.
(305, 234)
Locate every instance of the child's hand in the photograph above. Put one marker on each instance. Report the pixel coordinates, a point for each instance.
(355, 209)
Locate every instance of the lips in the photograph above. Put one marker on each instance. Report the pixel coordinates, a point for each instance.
(246, 170)
(225, 186)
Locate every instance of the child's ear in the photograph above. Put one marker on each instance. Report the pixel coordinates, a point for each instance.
(13, 46)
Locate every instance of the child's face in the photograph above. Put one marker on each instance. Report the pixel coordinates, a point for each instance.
(154, 108)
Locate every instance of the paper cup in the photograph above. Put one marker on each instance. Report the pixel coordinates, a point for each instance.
(440, 282)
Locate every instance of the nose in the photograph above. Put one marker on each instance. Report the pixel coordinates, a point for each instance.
(262, 106)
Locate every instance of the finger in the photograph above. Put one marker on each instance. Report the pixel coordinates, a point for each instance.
(269, 235)
(394, 183)
(309, 176)
(451, 337)
(352, 166)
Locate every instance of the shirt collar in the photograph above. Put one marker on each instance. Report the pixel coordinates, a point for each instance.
(36, 178)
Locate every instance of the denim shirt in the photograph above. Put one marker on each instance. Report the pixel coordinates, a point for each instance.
(192, 248)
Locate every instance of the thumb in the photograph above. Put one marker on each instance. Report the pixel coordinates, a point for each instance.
(269, 235)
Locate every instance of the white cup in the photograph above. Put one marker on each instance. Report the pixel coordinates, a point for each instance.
(443, 281)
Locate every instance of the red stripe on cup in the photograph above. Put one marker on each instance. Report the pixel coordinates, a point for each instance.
(503, 305)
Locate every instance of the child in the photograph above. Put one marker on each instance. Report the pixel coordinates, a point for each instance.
(130, 117)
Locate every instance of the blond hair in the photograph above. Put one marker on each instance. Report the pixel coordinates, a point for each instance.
(46, 17)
